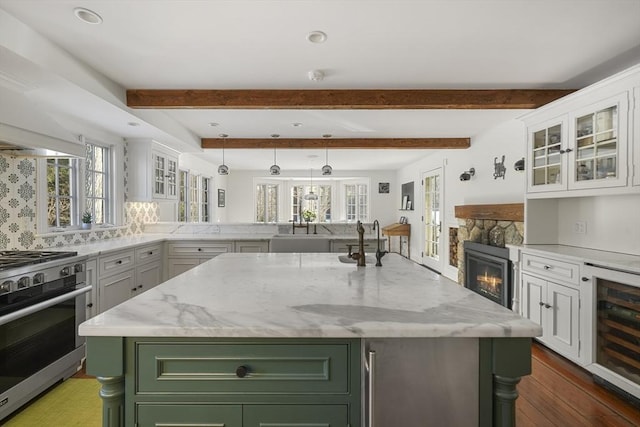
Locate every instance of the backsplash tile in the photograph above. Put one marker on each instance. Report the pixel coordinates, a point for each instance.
(18, 207)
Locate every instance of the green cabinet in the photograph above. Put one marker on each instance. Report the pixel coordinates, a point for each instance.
(183, 415)
(241, 382)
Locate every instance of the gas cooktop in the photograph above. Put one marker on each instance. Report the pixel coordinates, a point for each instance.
(14, 259)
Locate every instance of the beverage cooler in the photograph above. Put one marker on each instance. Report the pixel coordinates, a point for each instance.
(615, 334)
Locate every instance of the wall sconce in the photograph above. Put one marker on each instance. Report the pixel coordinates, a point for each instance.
(466, 175)
(519, 165)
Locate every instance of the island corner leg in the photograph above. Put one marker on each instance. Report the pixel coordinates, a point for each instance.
(504, 361)
(112, 395)
(105, 360)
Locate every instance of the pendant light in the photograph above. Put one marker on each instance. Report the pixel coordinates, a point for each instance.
(223, 169)
(326, 169)
(274, 169)
(311, 195)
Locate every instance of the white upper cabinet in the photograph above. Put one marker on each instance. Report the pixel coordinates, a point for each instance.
(153, 171)
(599, 139)
(584, 144)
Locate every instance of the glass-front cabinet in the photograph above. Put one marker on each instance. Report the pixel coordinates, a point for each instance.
(546, 146)
(585, 150)
(165, 176)
(599, 141)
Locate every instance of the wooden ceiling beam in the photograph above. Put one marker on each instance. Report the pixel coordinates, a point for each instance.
(343, 99)
(338, 143)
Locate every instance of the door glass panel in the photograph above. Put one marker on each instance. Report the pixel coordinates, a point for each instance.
(597, 145)
(547, 157)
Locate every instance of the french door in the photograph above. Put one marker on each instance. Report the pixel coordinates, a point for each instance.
(432, 219)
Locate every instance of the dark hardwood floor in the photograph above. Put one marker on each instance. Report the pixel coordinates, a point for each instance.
(559, 393)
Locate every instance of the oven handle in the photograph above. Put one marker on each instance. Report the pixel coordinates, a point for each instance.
(42, 305)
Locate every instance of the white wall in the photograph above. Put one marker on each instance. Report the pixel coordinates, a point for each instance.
(240, 193)
(611, 223)
(506, 139)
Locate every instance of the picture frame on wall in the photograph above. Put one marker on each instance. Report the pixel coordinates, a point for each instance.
(383, 187)
(221, 198)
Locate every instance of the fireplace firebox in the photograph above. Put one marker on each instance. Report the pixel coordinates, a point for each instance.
(488, 272)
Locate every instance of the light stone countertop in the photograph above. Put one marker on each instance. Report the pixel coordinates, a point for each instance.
(616, 260)
(308, 295)
(120, 243)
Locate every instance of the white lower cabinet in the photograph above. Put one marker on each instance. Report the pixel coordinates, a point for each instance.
(117, 289)
(127, 273)
(551, 291)
(251, 246)
(184, 255)
(176, 266)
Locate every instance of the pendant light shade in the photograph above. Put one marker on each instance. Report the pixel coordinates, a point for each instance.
(326, 169)
(311, 195)
(223, 169)
(274, 169)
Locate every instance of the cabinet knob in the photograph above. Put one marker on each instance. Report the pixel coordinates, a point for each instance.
(199, 249)
(547, 267)
(585, 279)
(134, 289)
(540, 303)
(90, 305)
(242, 371)
(150, 253)
(119, 261)
(568, 150)
(547, 306)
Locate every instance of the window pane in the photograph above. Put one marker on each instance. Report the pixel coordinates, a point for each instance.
(64, 204)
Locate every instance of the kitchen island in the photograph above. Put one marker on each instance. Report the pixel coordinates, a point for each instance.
(249, 339)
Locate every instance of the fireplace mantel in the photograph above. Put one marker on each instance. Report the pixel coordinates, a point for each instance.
(498, 212)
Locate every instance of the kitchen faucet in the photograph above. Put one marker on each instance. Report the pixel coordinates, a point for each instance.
(359, 256)
(379, 253)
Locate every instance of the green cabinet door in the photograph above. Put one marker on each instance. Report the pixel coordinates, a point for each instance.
(188, 415)
(295, 415)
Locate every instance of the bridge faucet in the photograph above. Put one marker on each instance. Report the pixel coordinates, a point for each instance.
(379, 253)
(359, 256)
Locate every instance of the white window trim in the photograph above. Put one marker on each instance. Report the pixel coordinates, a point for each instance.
(116, 184)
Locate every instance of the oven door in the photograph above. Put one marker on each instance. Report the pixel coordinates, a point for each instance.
(36, 336)
(613, 327)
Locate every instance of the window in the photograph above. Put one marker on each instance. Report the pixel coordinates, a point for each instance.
(356, 202)
(183, 179)
(97, 189)
(62, 193)
(316, 210)
(204, 199)
(267, 202)
(193, 198)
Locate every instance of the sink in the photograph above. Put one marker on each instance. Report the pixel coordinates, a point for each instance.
(300, 243)
(368, 260)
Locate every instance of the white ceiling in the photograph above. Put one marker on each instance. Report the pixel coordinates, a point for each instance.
(237, 44)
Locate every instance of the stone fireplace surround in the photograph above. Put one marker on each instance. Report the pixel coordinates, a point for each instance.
(495, 225)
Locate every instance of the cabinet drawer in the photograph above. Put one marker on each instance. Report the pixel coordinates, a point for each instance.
(551, 268)
(149, 253)
(120, 261)
(295, 415)
(216, 368)
(154, 414)
(250, 246)
(207, 249)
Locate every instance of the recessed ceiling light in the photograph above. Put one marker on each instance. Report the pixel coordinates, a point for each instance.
(214, 124)
(316, 37)
(326, 135)
(133, 124)
(88, 16)
(312, 156)
(275, 135)
(296, 125)
(223, 135)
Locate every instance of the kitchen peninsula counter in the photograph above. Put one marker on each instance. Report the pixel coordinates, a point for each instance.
(242, 299)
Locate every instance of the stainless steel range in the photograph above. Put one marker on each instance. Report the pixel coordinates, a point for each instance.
(42, 302)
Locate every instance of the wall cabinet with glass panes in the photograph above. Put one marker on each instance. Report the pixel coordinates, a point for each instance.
(155, 174)
(584, 149)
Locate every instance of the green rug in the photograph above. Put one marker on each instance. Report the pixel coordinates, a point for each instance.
(74, 402)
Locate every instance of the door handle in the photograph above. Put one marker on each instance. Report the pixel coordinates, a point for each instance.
(370, 366)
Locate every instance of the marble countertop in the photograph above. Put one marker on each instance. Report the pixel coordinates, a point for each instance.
(308, 295)
(616, 260)
(121, 243)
